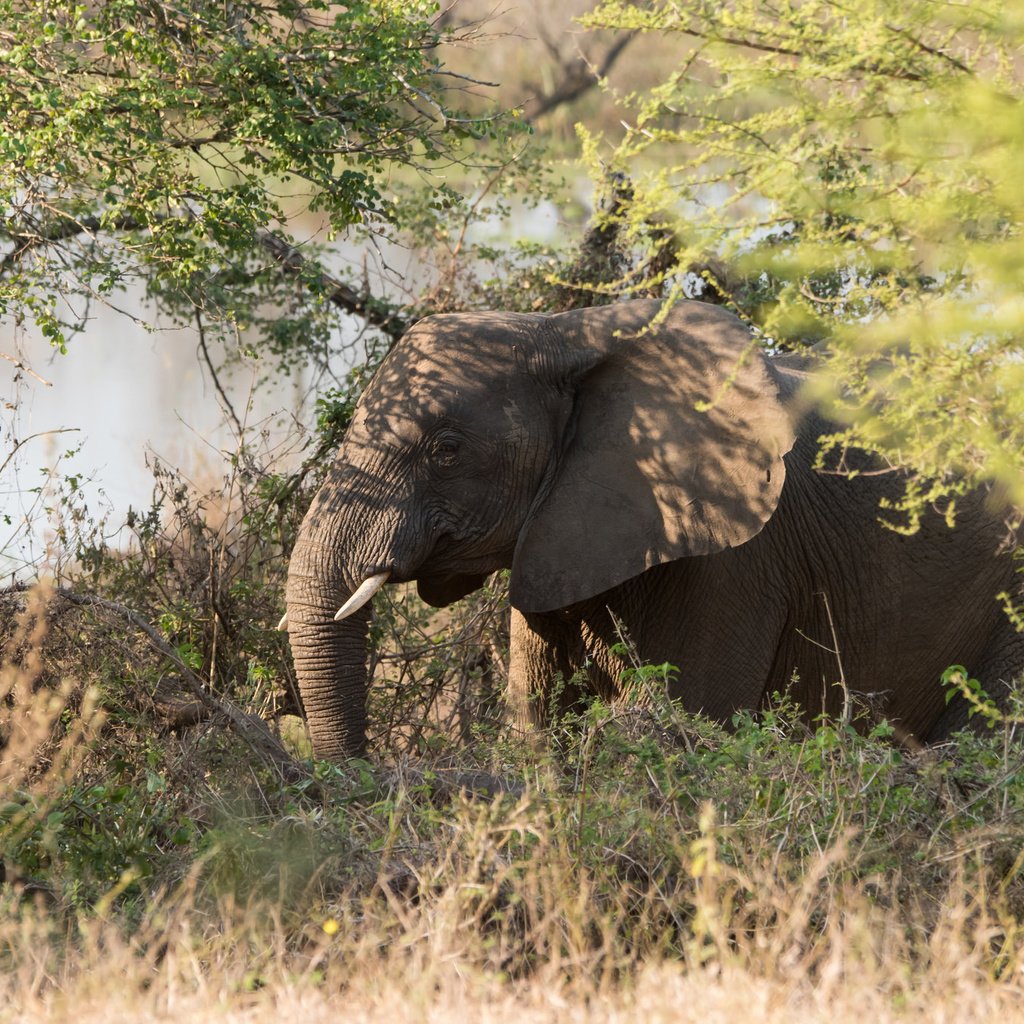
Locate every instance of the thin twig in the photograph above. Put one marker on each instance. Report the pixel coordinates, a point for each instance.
(32, 437)
(228, 407)
(25, 369)
(847, 715)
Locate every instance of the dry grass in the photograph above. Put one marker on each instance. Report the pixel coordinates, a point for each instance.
(489, 910)
(430, 960)
(34, 755)
(652, 868)
(658, 993)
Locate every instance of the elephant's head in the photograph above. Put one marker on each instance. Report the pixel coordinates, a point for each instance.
(569, 448)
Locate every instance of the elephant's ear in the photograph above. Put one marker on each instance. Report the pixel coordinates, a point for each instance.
(648, 477)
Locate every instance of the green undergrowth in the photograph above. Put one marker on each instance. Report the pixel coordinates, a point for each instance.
(629, 833)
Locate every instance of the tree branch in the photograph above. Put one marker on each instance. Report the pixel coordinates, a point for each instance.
(250, 728)
(579, 75)
(26, 242)
(372, 310)
(761, 45)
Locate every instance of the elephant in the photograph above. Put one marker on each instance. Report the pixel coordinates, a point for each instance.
(641, 473)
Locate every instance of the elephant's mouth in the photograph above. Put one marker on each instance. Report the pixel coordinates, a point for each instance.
(440, 591)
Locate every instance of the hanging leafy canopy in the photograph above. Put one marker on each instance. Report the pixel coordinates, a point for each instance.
(172, 139)
(857, 169)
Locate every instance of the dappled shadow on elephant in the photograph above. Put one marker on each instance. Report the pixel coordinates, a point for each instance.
(645, 475)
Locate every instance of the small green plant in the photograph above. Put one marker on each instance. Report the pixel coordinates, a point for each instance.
(959, 682)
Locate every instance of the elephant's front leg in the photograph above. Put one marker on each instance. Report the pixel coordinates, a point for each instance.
(542, 673)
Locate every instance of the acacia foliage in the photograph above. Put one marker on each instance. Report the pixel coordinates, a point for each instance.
(856, 168)
(172, 142)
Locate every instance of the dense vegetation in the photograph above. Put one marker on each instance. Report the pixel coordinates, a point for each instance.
(168, 847)
(854, 176)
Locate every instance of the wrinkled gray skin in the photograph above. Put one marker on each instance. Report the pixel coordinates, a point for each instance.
(568, 449)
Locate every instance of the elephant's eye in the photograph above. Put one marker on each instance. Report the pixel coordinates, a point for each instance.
(446, 450)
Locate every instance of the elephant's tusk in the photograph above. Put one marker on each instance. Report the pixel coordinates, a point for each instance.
(283, 624)
(363, 593)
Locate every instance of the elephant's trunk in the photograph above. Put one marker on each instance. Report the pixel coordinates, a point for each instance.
(330, 662)
(351, 537)
(329, 655)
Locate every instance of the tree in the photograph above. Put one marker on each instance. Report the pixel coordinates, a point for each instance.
(856, 168)
(174, 143)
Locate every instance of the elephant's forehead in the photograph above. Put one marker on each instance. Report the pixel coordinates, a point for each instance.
(398, 418)
(400, 415)
(415, 389)
(430, 362)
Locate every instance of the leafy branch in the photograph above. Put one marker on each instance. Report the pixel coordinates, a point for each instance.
(177, 144)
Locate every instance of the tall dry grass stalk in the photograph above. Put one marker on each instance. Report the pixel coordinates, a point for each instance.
(42, 738)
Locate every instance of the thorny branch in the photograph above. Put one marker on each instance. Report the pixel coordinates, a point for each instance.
(253, 730)
(373, 311)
